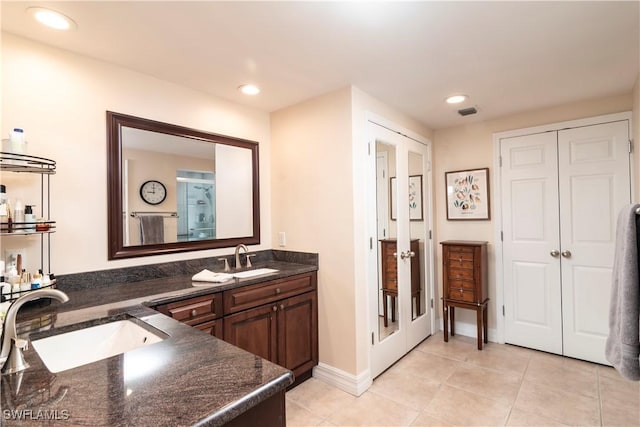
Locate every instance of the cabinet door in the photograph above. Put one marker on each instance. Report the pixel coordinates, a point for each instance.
(213, 328)
(254, 330)
(298, 333)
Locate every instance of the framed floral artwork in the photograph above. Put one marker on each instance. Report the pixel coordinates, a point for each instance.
(468, 194)
(416, 212)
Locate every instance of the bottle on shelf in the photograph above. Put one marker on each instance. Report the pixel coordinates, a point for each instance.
(18, 141)
(18, 211)
(29, 217)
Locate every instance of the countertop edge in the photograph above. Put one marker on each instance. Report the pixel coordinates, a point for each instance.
(250, 400)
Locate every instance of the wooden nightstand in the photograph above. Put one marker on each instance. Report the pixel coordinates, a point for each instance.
(464, 273)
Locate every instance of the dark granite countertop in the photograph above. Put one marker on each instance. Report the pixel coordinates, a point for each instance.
(190, 378)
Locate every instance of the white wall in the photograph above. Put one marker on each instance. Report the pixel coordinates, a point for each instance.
(471, 147)
(362, 105)
(318, 148)
(312, 194)
(60, 99)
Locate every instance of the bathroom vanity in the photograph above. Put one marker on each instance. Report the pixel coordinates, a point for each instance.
(276, 319)
(190, 377)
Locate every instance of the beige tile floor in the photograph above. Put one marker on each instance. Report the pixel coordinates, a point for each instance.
(442, 384)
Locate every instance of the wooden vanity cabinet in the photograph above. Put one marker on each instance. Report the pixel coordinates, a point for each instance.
(277, 320)
(204, 313)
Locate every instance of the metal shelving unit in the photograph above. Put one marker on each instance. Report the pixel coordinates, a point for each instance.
(23, 163)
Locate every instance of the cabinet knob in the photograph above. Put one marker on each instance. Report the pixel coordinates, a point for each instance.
(554, 253)
(281, 306)
(194, 313)
(566, 254)
(461, 293)
(278, 291)
(274, 308)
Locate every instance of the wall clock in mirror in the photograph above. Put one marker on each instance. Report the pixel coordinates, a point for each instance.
(153, 192)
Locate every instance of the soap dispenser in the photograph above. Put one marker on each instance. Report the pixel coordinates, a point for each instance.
(29, 217)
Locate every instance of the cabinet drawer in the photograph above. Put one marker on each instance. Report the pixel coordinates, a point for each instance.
(460, 273)
(461, 295)
(460, 262)
(194, 310)
(461, 250)
(213, 328)
(461, 284)
(255, 295)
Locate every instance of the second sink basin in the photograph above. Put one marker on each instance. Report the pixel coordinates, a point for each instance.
(252, 273)
(76, 348)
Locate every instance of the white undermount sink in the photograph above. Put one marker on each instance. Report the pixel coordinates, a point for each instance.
(252, 273)
(76, 348)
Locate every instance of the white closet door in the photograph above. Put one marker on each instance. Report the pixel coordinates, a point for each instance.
(594, 185)
(532, 292)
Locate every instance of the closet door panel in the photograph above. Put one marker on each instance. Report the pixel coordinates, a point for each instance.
(593, 186)
(533, 315)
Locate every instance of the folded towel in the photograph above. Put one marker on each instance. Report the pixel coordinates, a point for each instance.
(211, 276)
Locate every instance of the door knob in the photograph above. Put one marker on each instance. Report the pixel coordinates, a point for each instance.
(407, 254)
(566, 254)
(554, 253)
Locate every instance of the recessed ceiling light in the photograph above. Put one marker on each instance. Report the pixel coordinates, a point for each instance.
(52, 19)
(249, 89)
(456, 99)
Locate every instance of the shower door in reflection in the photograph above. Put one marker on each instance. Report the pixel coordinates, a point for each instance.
(196, 194)
(400, 250)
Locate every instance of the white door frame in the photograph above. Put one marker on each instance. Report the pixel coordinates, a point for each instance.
(371, 271)
(499, 295)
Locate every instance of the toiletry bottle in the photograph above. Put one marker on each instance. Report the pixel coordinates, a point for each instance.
(36, 281)
(6, 289)
(3, 203)
(18, 141)
(18, 215)
(29, 217)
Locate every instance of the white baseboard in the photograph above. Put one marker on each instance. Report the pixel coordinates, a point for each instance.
(352, 384)
(471, 330)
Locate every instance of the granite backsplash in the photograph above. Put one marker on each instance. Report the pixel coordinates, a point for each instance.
(92, 279)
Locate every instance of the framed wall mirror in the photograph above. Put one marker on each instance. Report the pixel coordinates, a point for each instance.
(176, 189)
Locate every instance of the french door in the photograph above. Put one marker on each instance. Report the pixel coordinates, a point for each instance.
(561, 192)
(399, 248)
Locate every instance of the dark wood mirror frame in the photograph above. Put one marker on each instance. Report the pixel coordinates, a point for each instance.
(117, 249)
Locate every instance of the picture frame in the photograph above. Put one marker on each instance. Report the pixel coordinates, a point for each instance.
(467, 193)
(416, 206)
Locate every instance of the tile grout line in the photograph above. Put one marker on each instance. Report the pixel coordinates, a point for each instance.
(599, 396)
(524, 373)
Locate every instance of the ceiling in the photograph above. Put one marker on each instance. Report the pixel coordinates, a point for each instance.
(508, 57)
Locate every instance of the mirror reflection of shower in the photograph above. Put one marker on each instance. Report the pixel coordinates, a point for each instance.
(196, 193)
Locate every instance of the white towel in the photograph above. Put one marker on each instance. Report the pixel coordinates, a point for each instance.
(211, 276)
(623, 344)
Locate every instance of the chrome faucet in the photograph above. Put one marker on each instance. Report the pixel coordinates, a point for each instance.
(246, 250)
(11, 351)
